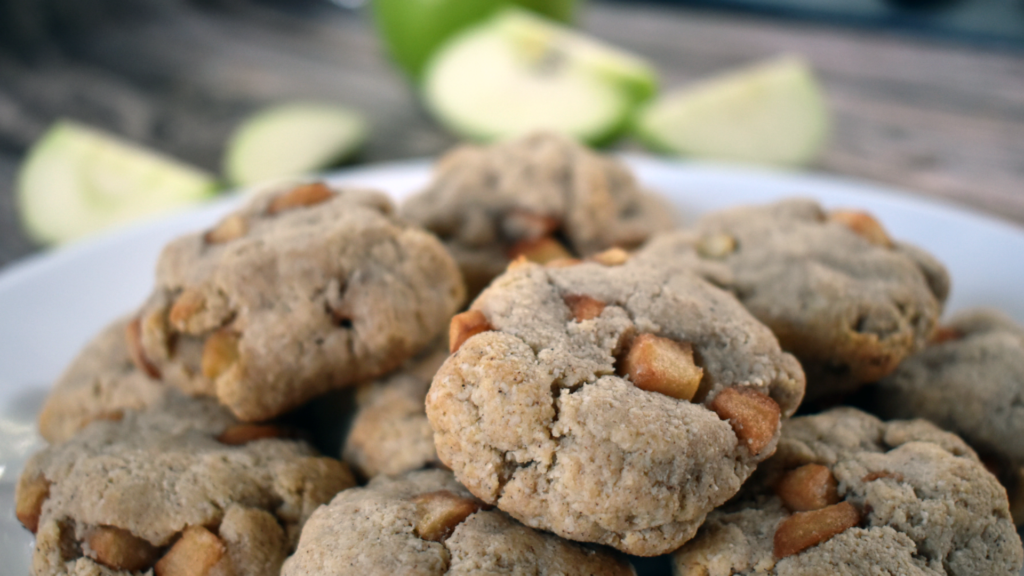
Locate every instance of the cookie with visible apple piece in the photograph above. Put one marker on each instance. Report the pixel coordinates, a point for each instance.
(848, 494)
(610, 403)
(183, 489)
(304, 290)
(836, 290)
(542, 196)
(425, 523)
(969, 380)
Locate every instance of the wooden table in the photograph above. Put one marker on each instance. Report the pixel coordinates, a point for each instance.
(938, 119)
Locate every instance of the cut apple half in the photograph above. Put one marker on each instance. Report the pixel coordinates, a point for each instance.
(292, 139)
(76, 180)
(540, 38)
(771, 113)
(517, 73)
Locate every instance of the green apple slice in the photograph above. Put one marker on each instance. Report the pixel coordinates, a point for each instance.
(542, 38)
(770, 113)
(78, 180)
(518, 73)
(292, 139)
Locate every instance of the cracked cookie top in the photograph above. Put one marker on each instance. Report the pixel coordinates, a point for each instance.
(969, 380)
(100, 383)
(425, 523)
(543, 195)
(838, 293)
(390, 433)
(304, 290)
(848, 494)
(609, 404)
(182, 488)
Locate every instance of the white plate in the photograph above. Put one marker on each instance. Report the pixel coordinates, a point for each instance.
(52, 304)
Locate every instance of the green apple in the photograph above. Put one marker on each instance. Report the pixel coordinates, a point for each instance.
(413, 29)
(770, 113)
(76, 180)
(518, 72)
(561, 10)
(292, 139)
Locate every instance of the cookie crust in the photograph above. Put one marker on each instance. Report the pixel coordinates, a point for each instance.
(482, 201)
(100, 383)
(373, 531)
(970, 383)
(390, 432)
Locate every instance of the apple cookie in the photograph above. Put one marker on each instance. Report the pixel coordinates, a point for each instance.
(181, 489)
(838, 293)
(99, 384)
(969, 380)
(304, 290)
(609, 404)
(390, 433)
(848, 494)
(425, 523)
(542, 196)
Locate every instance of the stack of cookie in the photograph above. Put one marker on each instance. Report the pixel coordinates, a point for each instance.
(615, 386)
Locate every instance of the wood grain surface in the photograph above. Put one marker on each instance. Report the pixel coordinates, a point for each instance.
(939, 120)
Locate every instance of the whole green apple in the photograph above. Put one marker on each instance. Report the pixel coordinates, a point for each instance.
(413, 29)
(561, 10)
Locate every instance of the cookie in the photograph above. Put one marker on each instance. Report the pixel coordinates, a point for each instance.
(100, 383)
(969, 381)
(543, 195)
(302, 291)
(425, 523)
(390, 433)
(182, 488)
(847, 494)
(838, 293)
(609, 404)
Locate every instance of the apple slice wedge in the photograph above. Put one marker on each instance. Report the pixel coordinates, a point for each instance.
(771, 113)
(292, 139)
(518, 72)
(76, 180)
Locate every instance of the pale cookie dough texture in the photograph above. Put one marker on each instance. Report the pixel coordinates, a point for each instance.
(154, 475)
(483, 200)
(971, 382)
(927, 507)
(372, 531)
(284, 301)
(390, 433)
(533, 417)
(100, 383)
(848, 306)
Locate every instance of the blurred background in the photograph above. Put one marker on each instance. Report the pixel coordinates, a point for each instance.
(926, 95)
